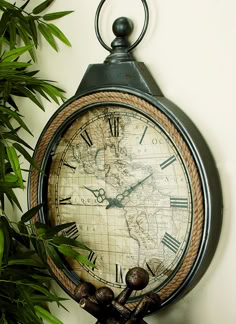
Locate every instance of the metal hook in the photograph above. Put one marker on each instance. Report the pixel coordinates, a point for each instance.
(143, 32)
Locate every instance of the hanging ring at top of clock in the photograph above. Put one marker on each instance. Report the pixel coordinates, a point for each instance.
(124, 29)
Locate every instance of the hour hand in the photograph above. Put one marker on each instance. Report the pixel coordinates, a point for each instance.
(100, 194)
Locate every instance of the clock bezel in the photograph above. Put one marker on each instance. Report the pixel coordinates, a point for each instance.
(207, 170)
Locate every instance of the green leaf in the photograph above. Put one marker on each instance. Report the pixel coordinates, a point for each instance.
(12, 32)
(24, 230)
(13, 54)
(2, 159)
(6, 91)
(44, 5)
(44, 314)
(30, 213)
(6, 4)
(4, 66)
(26, 156)
(15, 164)
(47, 34)
(27, 93)
(7, 237)
(56, 229)
(16, 138)
(12, 197)
(27, 262)
(24, 36)
(2, 243)
(67, 241)
(56, 15)
(68, 251)
(34, 31)
(16, 116)
(24, 5)
(4, 22)
(59, 34)
(52, 253)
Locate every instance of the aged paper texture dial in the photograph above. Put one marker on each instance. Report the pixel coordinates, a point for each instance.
(118, 175)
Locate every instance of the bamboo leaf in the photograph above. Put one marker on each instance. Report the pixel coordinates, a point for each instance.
(12, 32)
(56, 15)
(24, 36)
(26, 156)
(44, 5)
(67, 241)
(30, 213)
(59, 34)
(16, 116)
(16, 138)
(27, 93)
(12, 197)
(44, 314)
(6, 4)
(52, 253)
(34, 31)
(52, 231)
(68, 251)
(27, 262)
(47, 34)
(15, 164)
(13, 54)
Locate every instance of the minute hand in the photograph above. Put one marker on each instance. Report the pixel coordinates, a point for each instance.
(127, 192)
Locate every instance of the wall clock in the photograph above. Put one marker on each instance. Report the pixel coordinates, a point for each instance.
(134, 174)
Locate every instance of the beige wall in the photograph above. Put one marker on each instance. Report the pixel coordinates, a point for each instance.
(190, 47)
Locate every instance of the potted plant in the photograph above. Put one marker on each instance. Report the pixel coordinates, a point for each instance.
(24, 275)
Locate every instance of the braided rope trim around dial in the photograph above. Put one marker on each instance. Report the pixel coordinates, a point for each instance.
(198, 204)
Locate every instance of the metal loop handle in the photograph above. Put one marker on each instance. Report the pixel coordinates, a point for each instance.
(143, 32)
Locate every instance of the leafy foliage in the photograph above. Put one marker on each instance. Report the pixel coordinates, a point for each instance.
(24, 246)
(24, 277)
(19, 35)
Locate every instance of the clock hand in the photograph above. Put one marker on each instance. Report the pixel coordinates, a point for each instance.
(127, 192)
(100, 194)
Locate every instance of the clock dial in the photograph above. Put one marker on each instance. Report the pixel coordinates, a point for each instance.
(119, 175)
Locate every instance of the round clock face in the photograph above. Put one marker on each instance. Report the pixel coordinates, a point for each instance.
(119, 168)
(120, 177)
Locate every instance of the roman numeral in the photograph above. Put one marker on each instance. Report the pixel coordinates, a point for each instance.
(69, 166)
(143, 135)
(167, 162)
(170, 242)
(179, 202)
(114, 124)
(150, 270)
(72, 232)
(86, 138)
(92, 257)
(65, 201)
(119, 274)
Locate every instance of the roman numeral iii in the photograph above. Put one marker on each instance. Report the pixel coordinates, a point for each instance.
(179, 202)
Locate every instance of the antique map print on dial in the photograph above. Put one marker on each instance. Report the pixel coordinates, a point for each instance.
(119, 177)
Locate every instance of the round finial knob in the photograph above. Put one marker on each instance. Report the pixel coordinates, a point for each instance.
(84, 290)
(137, 278)
(122, 27)
(104, 295)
